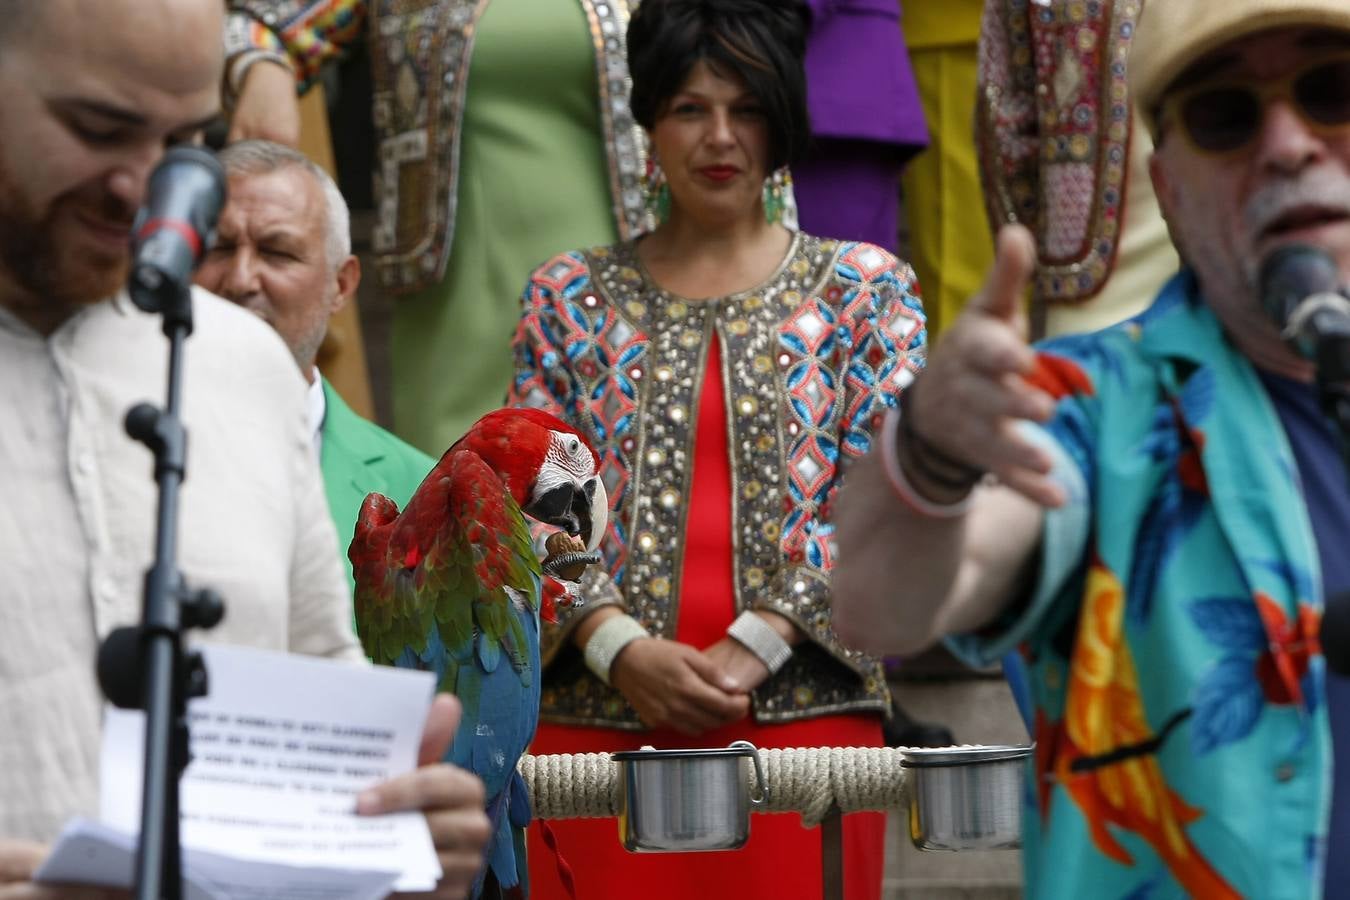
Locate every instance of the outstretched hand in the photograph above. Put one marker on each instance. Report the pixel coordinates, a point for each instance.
(973, 390)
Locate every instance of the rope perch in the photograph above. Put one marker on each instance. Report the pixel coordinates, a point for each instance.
(809, 780)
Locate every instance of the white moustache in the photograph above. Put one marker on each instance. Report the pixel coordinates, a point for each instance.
(1320, 188)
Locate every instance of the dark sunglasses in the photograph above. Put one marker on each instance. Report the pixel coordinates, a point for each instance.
(1224, 116)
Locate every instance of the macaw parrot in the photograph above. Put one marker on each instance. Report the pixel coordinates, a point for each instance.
(452, 584)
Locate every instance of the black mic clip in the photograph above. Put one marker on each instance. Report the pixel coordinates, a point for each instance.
(1302, 293)
(120, 666)
(1319, 329)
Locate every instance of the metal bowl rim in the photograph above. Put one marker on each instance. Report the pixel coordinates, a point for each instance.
(692, 753)
(939, 757)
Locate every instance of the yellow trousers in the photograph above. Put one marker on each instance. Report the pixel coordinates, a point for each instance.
(950, 246)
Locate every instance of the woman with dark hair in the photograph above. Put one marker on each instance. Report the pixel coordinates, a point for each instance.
(727, 369)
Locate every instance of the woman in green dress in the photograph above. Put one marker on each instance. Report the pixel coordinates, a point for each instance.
(504, 137)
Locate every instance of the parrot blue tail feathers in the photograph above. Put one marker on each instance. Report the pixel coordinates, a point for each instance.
(518, 802)
(503, 856)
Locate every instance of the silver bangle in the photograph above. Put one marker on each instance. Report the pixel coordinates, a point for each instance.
(760, 638)
(607, 640)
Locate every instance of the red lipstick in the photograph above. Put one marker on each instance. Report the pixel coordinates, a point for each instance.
(719, 173)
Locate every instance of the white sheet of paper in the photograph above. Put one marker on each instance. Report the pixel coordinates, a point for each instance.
(281, 746)
(91, 853)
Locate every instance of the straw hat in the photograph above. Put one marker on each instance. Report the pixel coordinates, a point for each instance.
(1173, 34)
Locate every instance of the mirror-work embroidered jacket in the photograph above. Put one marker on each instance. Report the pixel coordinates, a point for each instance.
(811, 360)
(420, 52)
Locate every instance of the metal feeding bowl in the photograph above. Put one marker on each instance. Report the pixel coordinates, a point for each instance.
(966, 798)
(674, 801)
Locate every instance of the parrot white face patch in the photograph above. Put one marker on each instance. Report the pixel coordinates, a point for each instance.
(567, 461)
(568, 473)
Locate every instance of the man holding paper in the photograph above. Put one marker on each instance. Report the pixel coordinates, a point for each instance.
(91, 92)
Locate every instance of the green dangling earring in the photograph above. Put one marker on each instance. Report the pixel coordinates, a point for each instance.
(655, 192)
(661, 204)
(776, 187)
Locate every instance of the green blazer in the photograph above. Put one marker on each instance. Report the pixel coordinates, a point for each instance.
(359, 457)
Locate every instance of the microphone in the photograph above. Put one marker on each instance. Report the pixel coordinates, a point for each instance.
(1335, 633)
(176, 226)
(1301, 292)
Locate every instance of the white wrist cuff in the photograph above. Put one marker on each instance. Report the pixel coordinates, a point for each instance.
(605, 642)
(760, 638)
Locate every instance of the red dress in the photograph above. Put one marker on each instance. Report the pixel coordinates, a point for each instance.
(782, 859)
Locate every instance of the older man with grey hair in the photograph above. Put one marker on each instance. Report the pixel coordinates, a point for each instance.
(283, 251)
(1169, 507)
(283, 245)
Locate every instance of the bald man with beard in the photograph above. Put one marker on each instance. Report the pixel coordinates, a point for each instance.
(91, 94)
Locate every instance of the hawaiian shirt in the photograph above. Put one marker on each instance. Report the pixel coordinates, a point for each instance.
(1168, 654)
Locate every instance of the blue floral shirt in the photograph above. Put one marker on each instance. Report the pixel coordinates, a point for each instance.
(1168, 655)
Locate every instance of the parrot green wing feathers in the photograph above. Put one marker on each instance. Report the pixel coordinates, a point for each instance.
(452, 560)
(451, 584)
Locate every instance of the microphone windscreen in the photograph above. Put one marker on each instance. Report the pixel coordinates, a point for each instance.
(176, 226)
(1335, 633)
(1291, 273)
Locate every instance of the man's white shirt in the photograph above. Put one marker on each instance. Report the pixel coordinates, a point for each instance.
(78, 523)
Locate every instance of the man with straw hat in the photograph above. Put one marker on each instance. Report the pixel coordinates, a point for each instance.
(1144, 522)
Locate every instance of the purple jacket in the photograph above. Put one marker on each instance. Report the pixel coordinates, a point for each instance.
(859, 83)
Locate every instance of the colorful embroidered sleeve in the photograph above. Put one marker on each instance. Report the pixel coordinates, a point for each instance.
(545, 380)
(845, 376)
(309, 32)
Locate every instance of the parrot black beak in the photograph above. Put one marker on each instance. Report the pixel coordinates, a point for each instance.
(554, 507)
(582, 510)
(593, 513)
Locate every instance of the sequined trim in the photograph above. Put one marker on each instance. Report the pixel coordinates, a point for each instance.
(811, 359)
(421, 50)
(625, 143)
(1053, 132)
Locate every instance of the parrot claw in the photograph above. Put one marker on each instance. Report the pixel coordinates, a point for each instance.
(569, 566)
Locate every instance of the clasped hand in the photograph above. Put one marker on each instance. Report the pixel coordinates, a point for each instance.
(674, 685)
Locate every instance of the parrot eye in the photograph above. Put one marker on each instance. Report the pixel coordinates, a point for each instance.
(573, 446)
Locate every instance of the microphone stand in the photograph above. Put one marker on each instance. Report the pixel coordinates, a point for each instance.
(147, 667)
